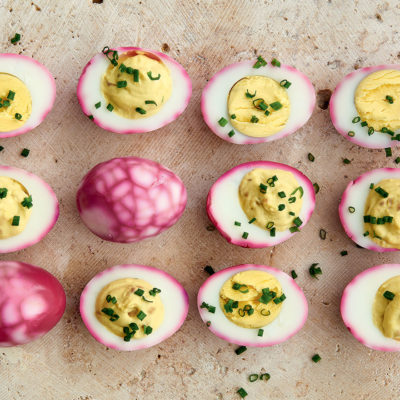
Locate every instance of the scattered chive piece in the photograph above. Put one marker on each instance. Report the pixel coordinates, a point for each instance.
(10, 95)
(233, 116)
(15, 220)
(265, 377)
(259, 63)
(275, 62)
(278, 300)
(254, 119)
(91, 117)
(230, 305)
(133, 326)
(3, 193)
(154, 291)
(140, 110)
(346, 161)
(316, 187)
(310, 157)
(352, 210)
(1, 148)
(270, 225)
(148, 330)
(371, 186)
(231, 133)
(122, 84)
(260, 333)
(27, 202)
(209, 308)
(122, 67)
(265, 313)
(254, 377)
(389, 99)
(294, 229)
(281, 207)
(282, 195)
(98, 105)
(351, 133)
(16, 38)
(355, 120)
(153, 78)
(366, 233)
(276, 105)
(222, 121)
(6, 103)
(245, 235)
(108, 311)
(267, 113)
(249, 95)
(364, 123)
(316, 358)
(139, 292)
(322, 234)
(147, 301)
(314, 270)
(297, 221)
(371, 130)
(18, 116)
(388, 151)
(293, 273)
(272, 232)
(141, 315)
(285, 83)
(150, 102)
(292, 213)
(136, 75)
(110, 107)
(388, 295)
(344, 253)
(209, 269)
(25, 152)
(240, 350)
(382, 192)
(291, 200)
(242, 393)
(397, 160)
(263, 188)
(300, 188)
(129, 70)
(252, 220)
(208, 323)
(237, 223)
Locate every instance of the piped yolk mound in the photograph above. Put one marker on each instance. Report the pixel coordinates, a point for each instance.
(382, 209)
(251, 299)
(16, 107)
(386, 311)
(15, 207)
(250, 100)
(272, 197)
(143, 97)
(377, 99)
(129, 308)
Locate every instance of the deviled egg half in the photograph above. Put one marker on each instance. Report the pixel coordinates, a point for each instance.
(129, 199)
(260, 203)
(32, 301)
(370, 210)
(252, 305)
(365, 106)
(28, 209)
(255, 101)
(27, 94)
(133, 90)
(370, 307)
(132, 307)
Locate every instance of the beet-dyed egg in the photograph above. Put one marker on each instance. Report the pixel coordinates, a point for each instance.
(225, 210)
(216, 101)
(357, 305)
(129, 199)
(28, 209)
(362, 105)
(290, 319)
(124, 301)
(27, 90)
(146, 108)
(353, 209)
(32, 301)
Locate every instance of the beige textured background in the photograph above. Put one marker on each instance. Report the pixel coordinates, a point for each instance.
(325, 40)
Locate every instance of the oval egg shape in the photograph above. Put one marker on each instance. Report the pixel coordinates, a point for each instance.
(225, 211)
(38, 81)
(173, 296)
(354, 197)
(344, 114)
(301, 94)
(290, 320)
(45, 210)
(89, 94)
(32, 301)
(129, 199)
(357, 304)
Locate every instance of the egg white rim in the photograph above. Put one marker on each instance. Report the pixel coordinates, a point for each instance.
(40, 83)
(89, 93)
(355, 195)
(44, 213)
(343, 92)
(173, 296)
(301, 95)
(357, 302)
(223, 217)
(292, 317)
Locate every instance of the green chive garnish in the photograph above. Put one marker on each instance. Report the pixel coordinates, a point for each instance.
(275, 62)
(285, 83)
(122, 84)
(322, 234)
(281, 207)
(294, 229)
(299, 188)
(222, 121)
(311, 157)
(389, 99)
(351, 133)
(140, 110)
(272, 232)
(209, 308)
(237, 223)
(3, 193)
(371, 186)
(254, 119)
(278, 300)
(382, 192)
(346, 161)
(129, 70)
(150, 102)
(209, 269)
(122, 67)
(245, 235)
(397, 160)
(208, 323)
(6, 103)
(148, 330)
(254, 377)
(108, 311)
(293, 273)
(314, 270)
(25, 152)
(252, 220)
(91, 117)
(15, 220)
(249, 95)
(153, 78)
(344, 253)
(141, 315)
(27, 202)
(259, 63)
(233, 116)
(98, 105)
(316, 187)
(240, 350)
(364, 123)
(1, 148)
(388, 151)
(154, 291)
(11, 95)
(352, 210)
(366, 233)
(371, 130)
(16, 38)
(263, 188)
(297, 221)
(388, 295)
(355, 120)
(18, 116)
(135, 75)
(265, 377)
(110, 107)
(231, 133)
(282, 195)
(139, 292)
(292, 213)
(242, 393)
(276, 105)
(270, 225)
(316, 358)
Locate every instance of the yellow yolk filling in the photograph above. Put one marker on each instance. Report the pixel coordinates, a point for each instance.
(371, 99)
(20, 104)
(385, 312)
(276, 206)
(386, 234)
(119, 297)
(138, 99)
(251, 290)
(250, 119)
(12, 194)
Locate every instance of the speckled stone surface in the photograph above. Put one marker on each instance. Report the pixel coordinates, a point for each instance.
(323, 39)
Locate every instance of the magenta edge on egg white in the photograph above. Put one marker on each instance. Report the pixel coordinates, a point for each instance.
(135, 344)
(187, 82)
(51, 100)
(273, 271)
(254, 164)
(213, 124)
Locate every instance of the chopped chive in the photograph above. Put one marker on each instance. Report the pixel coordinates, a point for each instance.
(388, 295)
(310, 157)
(122, 84)
(209, 269)
(267, 113)
(297, 221)
(15, 220)
(91, 117)
(242, 393)
(346, 161)
(148, 330)
(272, 232)
(364, 123)
(133, 326)
(153, 78)
(135, 75)
(208, 323)
(18, 116)
(276, 105)
(270, 225)
(245, 235)
(388, 151)
(16, 38)
(98, 105)
(252, 220)
(285, 83)
(3, 193)
(110, 107)
(209, 308)
(129, 70)
(154, 291)
(231, 133)
(108, 311)
(355, 120)
(230, 305)
(140, 110)
(264, 313)
(147, 301)
(254, 119)
(371, 186)
(114, 318)
(344, 253)
(322, 234)
(371, 130)
(352, 210)
(150, 102)
(122, 67)
(263, 188)
(237, 223)
(397, 160)
(382, 192)
(249, 95)
(316, 187)
(141, 315)
(259, 63)
(6, 103)
(11, 95)
(233, 116)
(127, 338)
(292, 213)
(25, 152)
(316, 358)
(366, 233)
(27, 202)
(293, 273)
(389, 99)
(265, 377)
(126, 329)
(1, 148)
(278, 300)
(282, 195)
(222, 121)
(275, 62)
(294, 229)
(281, 207)
(314, 270)
(254, 377)
(299, 188)
(139, 292)
(351, 133)
(240, 350)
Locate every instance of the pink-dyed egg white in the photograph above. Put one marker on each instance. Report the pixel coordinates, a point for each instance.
(129, 199)
(172, 294)
(290, 320)
(90, 94)
(40, 84)
(226, 213)
(32, 301)
(357, 305)
(44, 210)
(301, 95)
(352, 207)
(346, 119)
